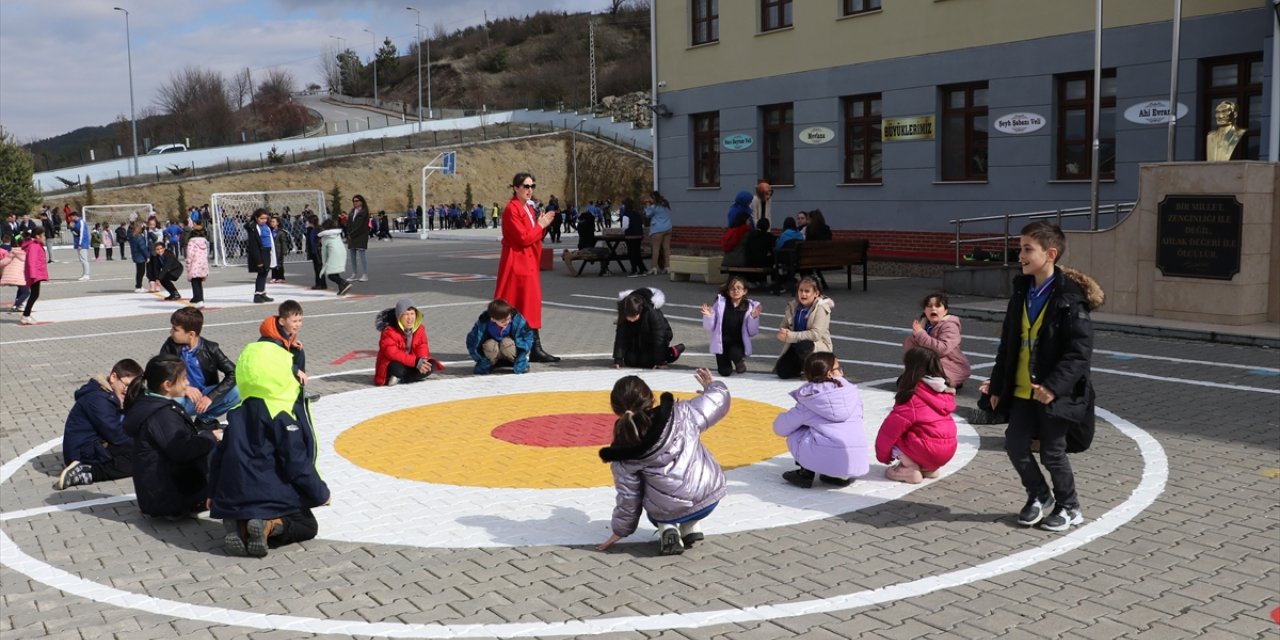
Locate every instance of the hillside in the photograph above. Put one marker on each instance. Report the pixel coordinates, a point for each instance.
(384, 178)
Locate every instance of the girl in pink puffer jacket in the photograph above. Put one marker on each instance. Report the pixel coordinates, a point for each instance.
(13, 273)
(659, 463)
(919, 435)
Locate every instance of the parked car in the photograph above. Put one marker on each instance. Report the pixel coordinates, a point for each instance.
(166, 148)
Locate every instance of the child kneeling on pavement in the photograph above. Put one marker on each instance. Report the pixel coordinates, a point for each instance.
(500, 337)
(263, 479)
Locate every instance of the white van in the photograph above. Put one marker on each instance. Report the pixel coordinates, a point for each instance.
(167, 148)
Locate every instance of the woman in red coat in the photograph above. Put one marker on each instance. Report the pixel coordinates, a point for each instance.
(519, 280)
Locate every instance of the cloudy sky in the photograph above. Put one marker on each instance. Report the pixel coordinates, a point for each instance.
(63, 63)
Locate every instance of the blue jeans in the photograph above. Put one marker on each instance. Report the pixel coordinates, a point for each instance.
(358, 254)
(219, 407)
(697, 515)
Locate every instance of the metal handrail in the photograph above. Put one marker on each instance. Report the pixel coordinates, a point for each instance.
(1117, 209)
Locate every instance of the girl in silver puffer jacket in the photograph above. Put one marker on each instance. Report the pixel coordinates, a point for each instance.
(659, 462)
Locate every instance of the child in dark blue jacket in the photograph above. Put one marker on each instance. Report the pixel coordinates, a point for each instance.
(94, 445)
(263, 479)
(500, 337)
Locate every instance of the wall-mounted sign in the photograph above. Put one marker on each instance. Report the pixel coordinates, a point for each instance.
(909, 128)
(817, 135)
(1017, 123)
(1199, 236)
(738, 142)
(1153, 112)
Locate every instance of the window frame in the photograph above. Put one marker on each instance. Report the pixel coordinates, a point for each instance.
(711, 159)
(846, 7)
(1240, 92)
(774, 142)
(709, 25)
(871, 120)
(1062, 105)
(782, 9)
(970, 113)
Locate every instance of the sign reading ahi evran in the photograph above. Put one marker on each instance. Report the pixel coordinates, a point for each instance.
(1153, 112)
(1018, 123)
(817, 135)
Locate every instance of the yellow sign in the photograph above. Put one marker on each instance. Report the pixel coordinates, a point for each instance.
(909, 128)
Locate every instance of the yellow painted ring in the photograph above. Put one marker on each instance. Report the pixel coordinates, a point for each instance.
(450, 442)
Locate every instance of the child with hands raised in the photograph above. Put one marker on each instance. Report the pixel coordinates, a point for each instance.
(730, 322)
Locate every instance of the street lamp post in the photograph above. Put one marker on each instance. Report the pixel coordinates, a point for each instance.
(576, 204)
(342, 50)
(133, 120)
(373, 37)
(418, 24)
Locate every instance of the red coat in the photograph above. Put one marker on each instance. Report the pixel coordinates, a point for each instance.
(519, 281)
(392, 347)
(922, 428)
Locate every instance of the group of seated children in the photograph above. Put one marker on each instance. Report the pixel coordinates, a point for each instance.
(159, 425)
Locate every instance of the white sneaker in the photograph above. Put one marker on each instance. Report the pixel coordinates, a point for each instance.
(83, 278)
(26, 320)
(691, 532)
(200, 305)
(669, 540)
(363, 278)
(139, 290)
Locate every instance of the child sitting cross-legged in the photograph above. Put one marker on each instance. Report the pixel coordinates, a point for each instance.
(500, 337)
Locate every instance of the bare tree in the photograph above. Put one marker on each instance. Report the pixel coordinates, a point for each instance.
(276, 89)
(329, 69)
(198, 106)
(242, 86)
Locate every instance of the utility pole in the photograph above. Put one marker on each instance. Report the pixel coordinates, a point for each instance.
(373, 37)
(591, 31)
(342, 59)
(418, 24)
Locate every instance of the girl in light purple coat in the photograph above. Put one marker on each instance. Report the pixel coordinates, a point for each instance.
(660, 464)
(730, 324)
(824, 429)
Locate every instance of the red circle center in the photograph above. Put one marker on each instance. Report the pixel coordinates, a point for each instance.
(559, 430)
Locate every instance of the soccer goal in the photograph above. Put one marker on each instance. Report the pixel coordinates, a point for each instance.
(232, 211)
(113, 215)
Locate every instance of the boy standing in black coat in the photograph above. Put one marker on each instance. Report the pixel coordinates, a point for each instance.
(1041, 374)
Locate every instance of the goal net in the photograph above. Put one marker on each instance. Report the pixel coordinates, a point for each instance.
(232, 211)
(111, 216)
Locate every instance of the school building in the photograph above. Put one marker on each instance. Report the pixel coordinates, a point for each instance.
(896, 117)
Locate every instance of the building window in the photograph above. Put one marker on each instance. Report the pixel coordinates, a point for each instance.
(862, 139)
(706, 21)
(1236, 79)
(852, 7)
(778, 144)
(775, 14)
(706, 149)
(1075, 126)
(964, 132)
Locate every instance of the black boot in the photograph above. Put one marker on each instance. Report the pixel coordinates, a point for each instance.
(536, 354)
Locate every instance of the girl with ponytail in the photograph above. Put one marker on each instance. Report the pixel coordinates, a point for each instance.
(660, 465)
(170, 454)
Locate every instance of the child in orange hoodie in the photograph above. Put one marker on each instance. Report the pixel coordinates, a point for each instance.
(283, 329)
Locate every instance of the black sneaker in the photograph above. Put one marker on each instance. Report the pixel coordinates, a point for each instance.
(74, 475)
(801, 477)
(832, 480)
(676, 352)
(1033, 512)
(266, 299)
(258, 298)
(235, 538)
(173, 296)
(1063, 518)
(342, 291)
(207, 424)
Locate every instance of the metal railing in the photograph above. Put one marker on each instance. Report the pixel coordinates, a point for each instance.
(1118, 211)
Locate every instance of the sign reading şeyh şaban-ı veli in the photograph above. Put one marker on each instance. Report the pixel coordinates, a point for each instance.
(738, 142)
(1199, 236)
(909, 128)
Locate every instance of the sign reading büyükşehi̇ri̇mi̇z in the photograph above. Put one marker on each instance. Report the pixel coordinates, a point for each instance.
(1199, 236)
(909, 128)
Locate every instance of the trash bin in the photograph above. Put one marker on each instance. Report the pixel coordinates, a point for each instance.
(547, 260)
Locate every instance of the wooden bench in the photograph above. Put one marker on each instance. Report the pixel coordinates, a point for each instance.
(829, 255)
(708, 267)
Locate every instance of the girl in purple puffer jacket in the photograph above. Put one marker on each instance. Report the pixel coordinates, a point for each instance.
(824, 429)
(730, 324)
(659, 462)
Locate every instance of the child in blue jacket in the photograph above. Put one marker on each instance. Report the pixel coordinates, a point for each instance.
(94, 445)
(500, 337)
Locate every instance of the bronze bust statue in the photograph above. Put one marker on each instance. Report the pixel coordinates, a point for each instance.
(1221, 142)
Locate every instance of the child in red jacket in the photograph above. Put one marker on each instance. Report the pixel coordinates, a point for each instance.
(403, 353)
(919, 435)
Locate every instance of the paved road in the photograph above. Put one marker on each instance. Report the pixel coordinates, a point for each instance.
(1181, 538)
(342, 118)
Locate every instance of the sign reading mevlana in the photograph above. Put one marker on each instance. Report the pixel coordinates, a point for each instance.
(817, 135)
(1199, 236)
(1017, 123)
(908, 128)
(738, 142)
(1153, 112)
